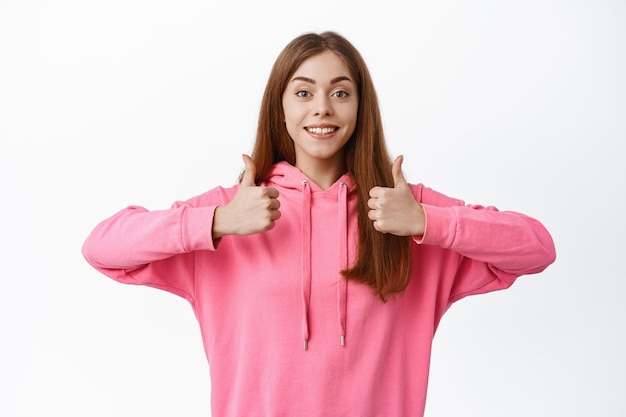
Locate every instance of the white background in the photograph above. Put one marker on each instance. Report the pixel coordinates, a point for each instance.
(104, 104)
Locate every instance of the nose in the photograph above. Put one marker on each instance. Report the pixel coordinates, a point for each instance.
(322, 106)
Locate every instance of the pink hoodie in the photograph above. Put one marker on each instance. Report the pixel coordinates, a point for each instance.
(284, 333)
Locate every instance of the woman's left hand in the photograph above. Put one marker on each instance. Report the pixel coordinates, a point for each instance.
(394, 210)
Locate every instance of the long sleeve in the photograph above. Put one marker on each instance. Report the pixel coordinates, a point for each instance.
(136, 236)
(155, 248)
(495, 246)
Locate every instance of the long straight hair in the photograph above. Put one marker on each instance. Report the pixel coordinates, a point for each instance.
(383, 260)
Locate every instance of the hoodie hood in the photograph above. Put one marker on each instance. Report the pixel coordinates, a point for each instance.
(286, 176)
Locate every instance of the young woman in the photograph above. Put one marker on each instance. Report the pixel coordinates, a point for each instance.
(319, 280)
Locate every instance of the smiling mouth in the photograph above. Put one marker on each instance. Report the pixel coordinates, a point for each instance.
(321, 130)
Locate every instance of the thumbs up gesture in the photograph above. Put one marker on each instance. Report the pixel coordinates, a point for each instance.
(394, 210)
(253, 209)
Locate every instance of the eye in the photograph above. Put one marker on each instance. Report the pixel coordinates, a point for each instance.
(340, 94)
(303, 94)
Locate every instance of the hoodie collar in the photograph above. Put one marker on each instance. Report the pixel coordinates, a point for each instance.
(286, 175)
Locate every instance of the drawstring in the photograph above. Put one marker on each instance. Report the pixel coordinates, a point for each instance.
(342, 283)
(306, 259)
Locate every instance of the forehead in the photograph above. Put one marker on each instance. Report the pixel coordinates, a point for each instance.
(325, 65)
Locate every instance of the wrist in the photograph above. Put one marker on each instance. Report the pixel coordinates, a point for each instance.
(216, 228)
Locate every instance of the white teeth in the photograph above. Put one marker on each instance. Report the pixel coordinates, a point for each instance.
(321, 130)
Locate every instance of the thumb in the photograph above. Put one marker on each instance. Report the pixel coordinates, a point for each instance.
(396, 171)
(249, 175)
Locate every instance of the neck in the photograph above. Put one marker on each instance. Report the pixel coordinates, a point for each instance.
(323, 173)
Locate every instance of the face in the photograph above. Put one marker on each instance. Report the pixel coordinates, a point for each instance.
(320, 104)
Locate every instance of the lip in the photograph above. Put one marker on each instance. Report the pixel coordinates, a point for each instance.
(334, 128)
(322, 125)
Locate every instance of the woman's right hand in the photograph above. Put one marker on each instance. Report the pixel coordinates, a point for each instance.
(253, 209)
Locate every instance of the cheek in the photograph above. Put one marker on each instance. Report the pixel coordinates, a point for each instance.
(292, 118)
(290, 126)
(351, 118)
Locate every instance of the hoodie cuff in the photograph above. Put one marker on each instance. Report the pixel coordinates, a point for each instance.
(440, 227)
(196, 228)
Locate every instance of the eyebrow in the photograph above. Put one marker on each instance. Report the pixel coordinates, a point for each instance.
(312, 81)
